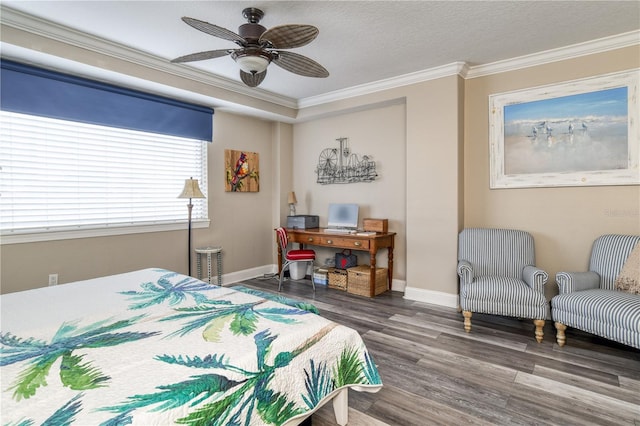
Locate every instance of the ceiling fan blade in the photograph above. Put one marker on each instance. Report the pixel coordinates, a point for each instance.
(252, 80)
(214, 30)
(289, 36)
(299, 64)
(201, 56)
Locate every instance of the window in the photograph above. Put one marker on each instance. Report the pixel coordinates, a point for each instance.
(83, 158)
(61, 175)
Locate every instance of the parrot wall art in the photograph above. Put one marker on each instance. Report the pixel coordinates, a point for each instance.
(242, 170)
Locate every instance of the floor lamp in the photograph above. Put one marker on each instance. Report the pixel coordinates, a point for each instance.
(190, 190)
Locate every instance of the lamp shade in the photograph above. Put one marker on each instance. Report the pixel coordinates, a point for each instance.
(291, 199)
(253, 64)
(191, 189)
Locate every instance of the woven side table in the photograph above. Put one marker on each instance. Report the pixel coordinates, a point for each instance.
(209, 252)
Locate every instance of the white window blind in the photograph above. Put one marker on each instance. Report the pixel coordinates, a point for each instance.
(61, 175)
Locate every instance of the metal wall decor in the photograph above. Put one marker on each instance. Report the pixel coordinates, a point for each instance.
(339, 165)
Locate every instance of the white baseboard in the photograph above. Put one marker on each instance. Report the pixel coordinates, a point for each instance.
(246, 274)
(429, 296)
(234, 277)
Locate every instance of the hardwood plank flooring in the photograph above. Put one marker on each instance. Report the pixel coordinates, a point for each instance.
(434, 373)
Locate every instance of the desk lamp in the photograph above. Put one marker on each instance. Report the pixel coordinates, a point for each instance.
(292, 203)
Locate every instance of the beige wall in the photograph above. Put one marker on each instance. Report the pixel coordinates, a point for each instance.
(432, 131)
(433, 209)
(240, 222)
(26, 266)
(563, 220)
(430, 141)
(413, 134)
(378, 132)
(283, 174)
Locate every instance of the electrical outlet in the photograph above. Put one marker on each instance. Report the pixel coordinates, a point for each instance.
(53, 279)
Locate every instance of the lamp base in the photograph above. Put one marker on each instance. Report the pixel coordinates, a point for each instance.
(189, 207)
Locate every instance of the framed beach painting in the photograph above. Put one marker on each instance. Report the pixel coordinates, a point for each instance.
(577, 133)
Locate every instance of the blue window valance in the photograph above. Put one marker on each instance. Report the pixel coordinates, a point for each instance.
(31, 90)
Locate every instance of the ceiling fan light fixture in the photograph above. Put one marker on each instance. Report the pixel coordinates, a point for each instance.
(258, 47)
(252, 63)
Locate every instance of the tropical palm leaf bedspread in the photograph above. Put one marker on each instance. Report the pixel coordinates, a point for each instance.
(157, 347)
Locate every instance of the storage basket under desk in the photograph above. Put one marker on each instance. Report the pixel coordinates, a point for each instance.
(358, 280)
(337, 278)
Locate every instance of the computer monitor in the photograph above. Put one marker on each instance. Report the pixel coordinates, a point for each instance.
(343, 216)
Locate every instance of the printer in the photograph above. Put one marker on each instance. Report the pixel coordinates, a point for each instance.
(303, 221)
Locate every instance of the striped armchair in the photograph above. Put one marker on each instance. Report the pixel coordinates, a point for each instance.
(589, 300)
(498, 276)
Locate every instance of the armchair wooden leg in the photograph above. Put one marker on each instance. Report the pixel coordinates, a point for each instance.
(539, 329)
(560, 337)
(467, 320)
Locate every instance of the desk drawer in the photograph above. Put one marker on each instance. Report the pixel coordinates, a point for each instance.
(304, 239)
(347, 243)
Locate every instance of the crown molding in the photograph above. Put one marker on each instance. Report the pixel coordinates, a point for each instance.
(465, 71)
(455, 68)
(591, 47)
(22, 21)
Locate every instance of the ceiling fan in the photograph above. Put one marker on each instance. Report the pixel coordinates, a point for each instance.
(259, 47)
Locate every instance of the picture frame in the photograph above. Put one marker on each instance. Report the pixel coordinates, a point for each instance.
(577, 133)
(242, 171)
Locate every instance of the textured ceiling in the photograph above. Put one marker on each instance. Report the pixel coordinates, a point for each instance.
(359, 42)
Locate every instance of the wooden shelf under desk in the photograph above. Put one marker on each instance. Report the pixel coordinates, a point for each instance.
(369, 243)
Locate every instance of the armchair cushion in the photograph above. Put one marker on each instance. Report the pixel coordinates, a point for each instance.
(503, 296)
(612, 314)
(629, 278)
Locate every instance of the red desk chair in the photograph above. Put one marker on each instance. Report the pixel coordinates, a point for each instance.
(292, 256)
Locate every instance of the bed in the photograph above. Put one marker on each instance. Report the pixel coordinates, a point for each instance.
(157, 347)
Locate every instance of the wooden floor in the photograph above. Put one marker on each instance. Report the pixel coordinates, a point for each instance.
(436, 374)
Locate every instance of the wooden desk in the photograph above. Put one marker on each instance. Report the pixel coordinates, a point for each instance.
(370, 243)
